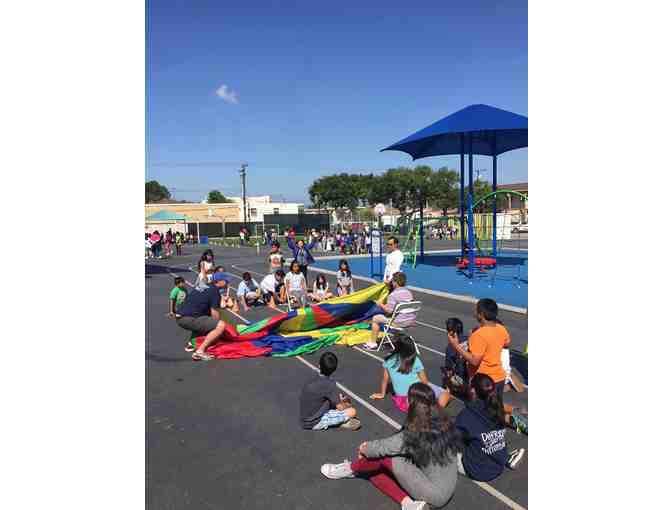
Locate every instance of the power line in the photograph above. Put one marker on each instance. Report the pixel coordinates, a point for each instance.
(196, 164)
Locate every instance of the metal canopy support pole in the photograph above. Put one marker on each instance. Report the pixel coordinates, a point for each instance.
(470, 201)
(462, 194)
(494, 198)
(422, 232)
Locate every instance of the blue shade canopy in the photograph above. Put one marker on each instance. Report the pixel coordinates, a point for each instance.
(493, 131)
(167, 216)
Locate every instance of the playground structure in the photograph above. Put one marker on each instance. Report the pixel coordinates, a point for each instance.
(477, 129)
(483, 230)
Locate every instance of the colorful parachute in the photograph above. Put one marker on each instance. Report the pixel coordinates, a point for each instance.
(337, 320)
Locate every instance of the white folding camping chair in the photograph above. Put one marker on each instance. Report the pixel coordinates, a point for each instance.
(390, 328)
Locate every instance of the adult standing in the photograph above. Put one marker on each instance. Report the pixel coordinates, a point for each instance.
(301, 254)
(168, 243)
(199, 313)
(155, 238)
(179, 241)
(393, 260)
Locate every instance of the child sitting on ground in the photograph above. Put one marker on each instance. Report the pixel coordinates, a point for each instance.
(402, 368)
(416, 466)
(177, 296)
(321, 405)
(344, 283)
(483, 427)
(321, 289)
(273, 289)
(454, 371)
(249, 292)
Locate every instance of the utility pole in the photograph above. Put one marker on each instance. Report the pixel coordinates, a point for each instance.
(243, 168)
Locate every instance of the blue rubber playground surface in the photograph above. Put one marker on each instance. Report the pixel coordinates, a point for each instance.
(507, 284)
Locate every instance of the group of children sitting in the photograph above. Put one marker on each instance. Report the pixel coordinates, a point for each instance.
(418, 465)
(278, 287)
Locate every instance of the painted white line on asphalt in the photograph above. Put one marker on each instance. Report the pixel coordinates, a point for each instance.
(486, 487)
(356, 397)
(438, 293)
(502, 497)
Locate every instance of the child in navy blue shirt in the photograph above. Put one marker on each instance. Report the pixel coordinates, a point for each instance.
(484, 433)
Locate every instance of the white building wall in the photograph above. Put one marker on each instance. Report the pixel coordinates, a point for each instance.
(258, 206)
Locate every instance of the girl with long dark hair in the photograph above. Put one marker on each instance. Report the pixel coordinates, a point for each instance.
(402, 368)
(321, 289)
(483, 426)
(344, 282)
(295, 284)
(416, 466)
(205, 268)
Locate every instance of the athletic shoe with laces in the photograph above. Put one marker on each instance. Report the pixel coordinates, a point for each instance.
(352, 424)
(415, 505)
(338, 471)
(515, 457)
(188, 347)
(370, 347)
(202, 356)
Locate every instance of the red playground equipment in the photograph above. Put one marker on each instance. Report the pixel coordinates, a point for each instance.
(479, 262)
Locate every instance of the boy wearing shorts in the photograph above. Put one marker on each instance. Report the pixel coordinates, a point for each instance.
(321, 405)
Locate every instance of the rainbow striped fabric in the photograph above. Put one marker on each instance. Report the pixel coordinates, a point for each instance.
(337, 320)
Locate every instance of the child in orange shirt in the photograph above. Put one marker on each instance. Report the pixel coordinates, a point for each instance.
(484, 355)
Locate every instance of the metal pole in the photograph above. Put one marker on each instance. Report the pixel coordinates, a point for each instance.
(470, 199)
(494, 198)
(462, 194)
(422, 230)
(242, 177)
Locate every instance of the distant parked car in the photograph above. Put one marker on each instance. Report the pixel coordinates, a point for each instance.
(520, 229)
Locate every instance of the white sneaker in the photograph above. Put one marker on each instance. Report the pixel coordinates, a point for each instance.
(515, 457)
(415, 505)
(369, 346)
(337, 471)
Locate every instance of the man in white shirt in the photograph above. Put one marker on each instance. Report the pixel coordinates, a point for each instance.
(393, 260)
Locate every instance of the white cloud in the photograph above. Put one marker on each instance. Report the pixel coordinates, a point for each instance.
(227, 94)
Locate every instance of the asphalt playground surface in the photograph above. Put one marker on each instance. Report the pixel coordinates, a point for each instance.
(225, 434)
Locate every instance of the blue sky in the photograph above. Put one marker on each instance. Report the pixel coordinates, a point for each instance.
(303, 89)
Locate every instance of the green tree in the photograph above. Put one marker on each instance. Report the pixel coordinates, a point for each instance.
(216, 197)
(445, 190)
(338, 191)
(481, 189)
(155, 192)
